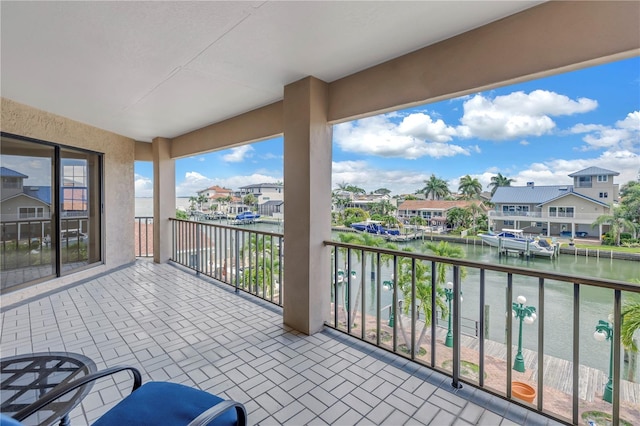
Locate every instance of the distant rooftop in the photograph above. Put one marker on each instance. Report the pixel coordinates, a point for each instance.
(529, 194)
(594, 171)
(4, 172)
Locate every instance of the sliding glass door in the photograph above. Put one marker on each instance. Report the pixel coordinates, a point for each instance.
(49, 211)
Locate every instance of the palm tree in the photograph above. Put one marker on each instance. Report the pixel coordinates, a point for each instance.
(249, 200)
(264, 265)
(444, 249)
(405, 271)
(499, 180)
(474, 209)
(469, 187)
(457, 216)
(616, 221)
(193, 201)
(438, 188)
(630, 324)
(201, 200)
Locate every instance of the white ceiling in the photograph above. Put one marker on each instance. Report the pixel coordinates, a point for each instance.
(147, 69)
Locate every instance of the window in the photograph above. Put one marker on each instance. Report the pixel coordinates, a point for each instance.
(604, 195)
(561, 211)
(584, 182)
(515, 210)
(30, 212)
(509, 223)
(11, 183)
(603, 178)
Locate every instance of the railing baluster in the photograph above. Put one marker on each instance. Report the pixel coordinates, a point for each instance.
(363, 306)
(378, 297)
(434, 312)
(576, 352)
(456, 328)
(413, 308)
(481, 302)
(617, 315)
(509, 301)
(540, 322)
(395, 311)
(347, 300)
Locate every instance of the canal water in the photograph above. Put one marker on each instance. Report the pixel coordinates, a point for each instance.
(595, 304)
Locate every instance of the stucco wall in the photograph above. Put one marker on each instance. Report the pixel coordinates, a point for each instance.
(119, 154)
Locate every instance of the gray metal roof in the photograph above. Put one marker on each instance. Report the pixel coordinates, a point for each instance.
(263, 185)
(529, 195)
(4, 172)
(593, 200)
(594, 171)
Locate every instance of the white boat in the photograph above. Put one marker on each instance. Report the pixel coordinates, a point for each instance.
(514, 240)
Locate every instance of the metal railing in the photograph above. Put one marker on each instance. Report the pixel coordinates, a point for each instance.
(564, 385)
(251, 261)
(27, 243)
(143, 232)
(590, 217)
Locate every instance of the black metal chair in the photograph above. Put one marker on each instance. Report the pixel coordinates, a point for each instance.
(154, 403)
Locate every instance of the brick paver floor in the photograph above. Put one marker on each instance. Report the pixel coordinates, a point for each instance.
(176, 326)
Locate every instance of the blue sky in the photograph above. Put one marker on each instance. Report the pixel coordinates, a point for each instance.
(539, 131)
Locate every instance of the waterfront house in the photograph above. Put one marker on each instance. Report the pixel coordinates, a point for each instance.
(432, 211)
(112, 83)
(217, 196)
(557, 209)
(21, 204)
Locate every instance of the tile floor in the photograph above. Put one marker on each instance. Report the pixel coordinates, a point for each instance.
(176, 326)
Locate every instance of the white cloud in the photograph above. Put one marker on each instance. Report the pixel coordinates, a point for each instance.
(143, 186)
(238, 154)
(623, 136)
(194, 182)
(416, 136)
(361, 174)
(421, 126)
(517, 114)
(556, 172)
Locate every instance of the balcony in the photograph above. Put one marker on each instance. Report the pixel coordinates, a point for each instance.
(561, 301)
(180, 327)
(543, 216)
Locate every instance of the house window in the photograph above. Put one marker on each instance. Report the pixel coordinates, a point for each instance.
(604, 195)
(561, 211)
(11, 183)
(603, 178)
(515, 210)
(584, 182)
(30, 212)
(509, 222)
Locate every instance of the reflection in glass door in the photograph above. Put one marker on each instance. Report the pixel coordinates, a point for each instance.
(49, 211)
(79, 209)
(26, 249)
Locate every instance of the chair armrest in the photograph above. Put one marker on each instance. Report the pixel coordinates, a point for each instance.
(59, 391)
(206, 417)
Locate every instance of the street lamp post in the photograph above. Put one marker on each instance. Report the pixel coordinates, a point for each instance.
(523, 314)
(448, 294)
(388, 285)
(604, 331)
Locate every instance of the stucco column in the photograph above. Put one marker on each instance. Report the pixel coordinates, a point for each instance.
(164, 198)
(307, 205)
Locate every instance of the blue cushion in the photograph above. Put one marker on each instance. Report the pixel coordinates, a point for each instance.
(8, 421)
(164, 403)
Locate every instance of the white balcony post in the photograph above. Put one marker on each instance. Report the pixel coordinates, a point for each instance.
(164, 198)
(307, 206)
